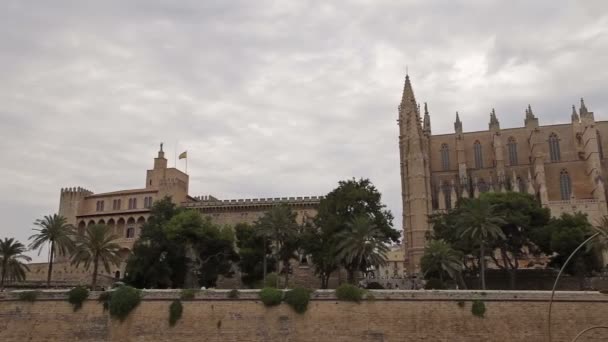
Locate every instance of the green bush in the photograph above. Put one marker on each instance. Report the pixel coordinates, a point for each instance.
(434, 284)
(29, 296)
(188, 294)
(271, 280)
(349, 293)
(479, 308)
(77, 296)
(124, 299)
(105, 298)
(298, 299)
(374, 285)
(175, 312)
(233, 294)
(271, 296)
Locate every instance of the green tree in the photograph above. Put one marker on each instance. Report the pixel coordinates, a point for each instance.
(157, 261)
(321, 246)
(337, 211)
(252, 251)
(440, 259)
(361, 247)
(11, 261)
(97, 244)
(523, 216)
(480, 223)
(56, 232)
(279, 226)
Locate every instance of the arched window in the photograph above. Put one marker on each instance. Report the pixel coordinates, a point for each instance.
(554, 147)
(522, 185)
(483, 186)
(130, 232)
(478, 157)
(599, 144)
(512, 148)
(445, 157)
(447, 195)
(564, 185)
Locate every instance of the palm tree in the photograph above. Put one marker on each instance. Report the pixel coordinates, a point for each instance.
(599, 245)
(361, 246)
(97, 244)
(280, 227)
(439, 257)
(55, 231)
(11, 256)
(479, 223)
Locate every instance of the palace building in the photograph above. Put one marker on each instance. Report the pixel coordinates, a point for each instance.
(562, 165)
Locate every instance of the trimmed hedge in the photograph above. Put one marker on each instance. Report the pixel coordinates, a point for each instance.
(271, 296)
(350, 293)
(29, 296)
(77, 296)
(298, 299)
(434, 284)
(479, 308)
(272, 280)
(175, 312)
(188, 294)
(123, 301)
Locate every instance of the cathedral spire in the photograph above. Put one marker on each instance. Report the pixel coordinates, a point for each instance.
(458, 124)
(494, 124)
(583, 110)
(409, 113)
(530, 119)
(427, 120)
(574, 115)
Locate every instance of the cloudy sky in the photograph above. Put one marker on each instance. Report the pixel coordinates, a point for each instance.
(270, 98)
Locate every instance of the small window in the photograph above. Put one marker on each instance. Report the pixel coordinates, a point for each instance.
(135, 203)
(554, 151)
(445, 157)
(447, 195)
(130, 232)
(522, 185)
(478, 155)
(512, 149)
(564, 185)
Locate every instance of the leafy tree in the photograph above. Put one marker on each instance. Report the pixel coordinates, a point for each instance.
(321, 246)
(361, 246)
(280, 227)
(480, 223)
(523, 216)
(337, 211)
(440, 259)
(156, 261)
(11, 260)
(56, 232)
(96, 245)
(252, 250)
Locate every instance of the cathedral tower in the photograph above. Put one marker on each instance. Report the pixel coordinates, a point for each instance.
(415, 176)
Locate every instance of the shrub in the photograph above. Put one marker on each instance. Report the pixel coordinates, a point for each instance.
(349, 293)
(271, 296)
(374, 286)
(461, 304)
(29, 296)
(271, 280)
(77, 296)
(233, 294)
(434, 284)
(298, 299)
(123, 301)
(188, 294)
(175, 312)
(479, 308)
(104, 298)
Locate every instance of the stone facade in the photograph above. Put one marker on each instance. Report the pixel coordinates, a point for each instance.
(562, 165)
(393, 316)
(126, 211)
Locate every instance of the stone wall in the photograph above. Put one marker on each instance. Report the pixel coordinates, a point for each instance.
(392, 316)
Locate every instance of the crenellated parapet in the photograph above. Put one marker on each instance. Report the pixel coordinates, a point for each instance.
(210, 201)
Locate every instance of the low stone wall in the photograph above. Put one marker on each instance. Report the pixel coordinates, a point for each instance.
(391, 316)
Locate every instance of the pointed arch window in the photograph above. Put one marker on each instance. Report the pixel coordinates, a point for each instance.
(554, 152)
(483, 186)
(599, 144)
(478, 156)
(447, 194)
(512, 149)
(445, 157)
(565, 185)
(522, 185)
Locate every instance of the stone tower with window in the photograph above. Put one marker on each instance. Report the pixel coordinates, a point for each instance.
(562, 165)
